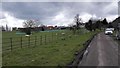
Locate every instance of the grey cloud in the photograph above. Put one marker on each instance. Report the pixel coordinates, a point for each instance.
(31, 9)
(59, 0)
(45, 10)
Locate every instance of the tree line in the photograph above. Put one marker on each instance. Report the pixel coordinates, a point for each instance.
(92, 25)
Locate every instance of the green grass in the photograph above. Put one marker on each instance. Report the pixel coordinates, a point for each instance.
(53, 53)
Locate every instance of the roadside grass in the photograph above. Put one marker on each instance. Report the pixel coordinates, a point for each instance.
(114, 37)
(54, 53)
(119, 42)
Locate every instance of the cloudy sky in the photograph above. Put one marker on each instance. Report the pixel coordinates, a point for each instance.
(55, 13)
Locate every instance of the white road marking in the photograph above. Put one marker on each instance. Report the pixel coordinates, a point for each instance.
(89, 46)
(86, 52)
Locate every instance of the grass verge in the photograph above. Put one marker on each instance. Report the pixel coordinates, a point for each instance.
(59, 52)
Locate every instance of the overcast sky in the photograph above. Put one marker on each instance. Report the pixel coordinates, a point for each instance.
(55, 13)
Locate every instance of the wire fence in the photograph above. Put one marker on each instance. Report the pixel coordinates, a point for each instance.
(12, 43)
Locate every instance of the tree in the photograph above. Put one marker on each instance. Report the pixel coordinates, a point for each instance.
(98, 24)
(3, 28)
(88, 25)
(77, 21)
(105, 23)
(28, 25)
(110, 25)
(75, 28)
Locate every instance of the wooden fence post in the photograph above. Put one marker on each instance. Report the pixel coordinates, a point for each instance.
(35, 40)
(28, 41)
(11, 43)
(52, 36)
(41, 39)
(57, 36)
(45, 39)
(21, 42)
(48, 39)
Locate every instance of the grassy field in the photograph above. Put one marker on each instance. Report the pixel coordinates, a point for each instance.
(58, 50)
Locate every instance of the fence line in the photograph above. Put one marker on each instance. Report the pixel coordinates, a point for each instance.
(45, 39)
(29, 41)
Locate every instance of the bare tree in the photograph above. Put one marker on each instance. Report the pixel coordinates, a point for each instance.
(77, 21)
(28, 25)
(3, 28)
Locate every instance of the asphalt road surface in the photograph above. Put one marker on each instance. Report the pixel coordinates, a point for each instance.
(102, 51)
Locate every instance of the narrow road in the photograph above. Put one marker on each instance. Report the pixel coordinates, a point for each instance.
(102, 51)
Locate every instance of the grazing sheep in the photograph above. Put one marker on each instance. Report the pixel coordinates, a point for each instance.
(27, 35)
(63, 38)
(63, 33)
(56, 34)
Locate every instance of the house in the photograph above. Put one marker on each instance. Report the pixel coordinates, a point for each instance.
(50, 27)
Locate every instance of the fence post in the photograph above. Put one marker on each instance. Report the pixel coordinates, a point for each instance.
(21, 42)
(56, 36)
(35, 40)
(52, 36)
(28, 41)
(45, 39)
(11, 43)
(48, 38)
(41, 39)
